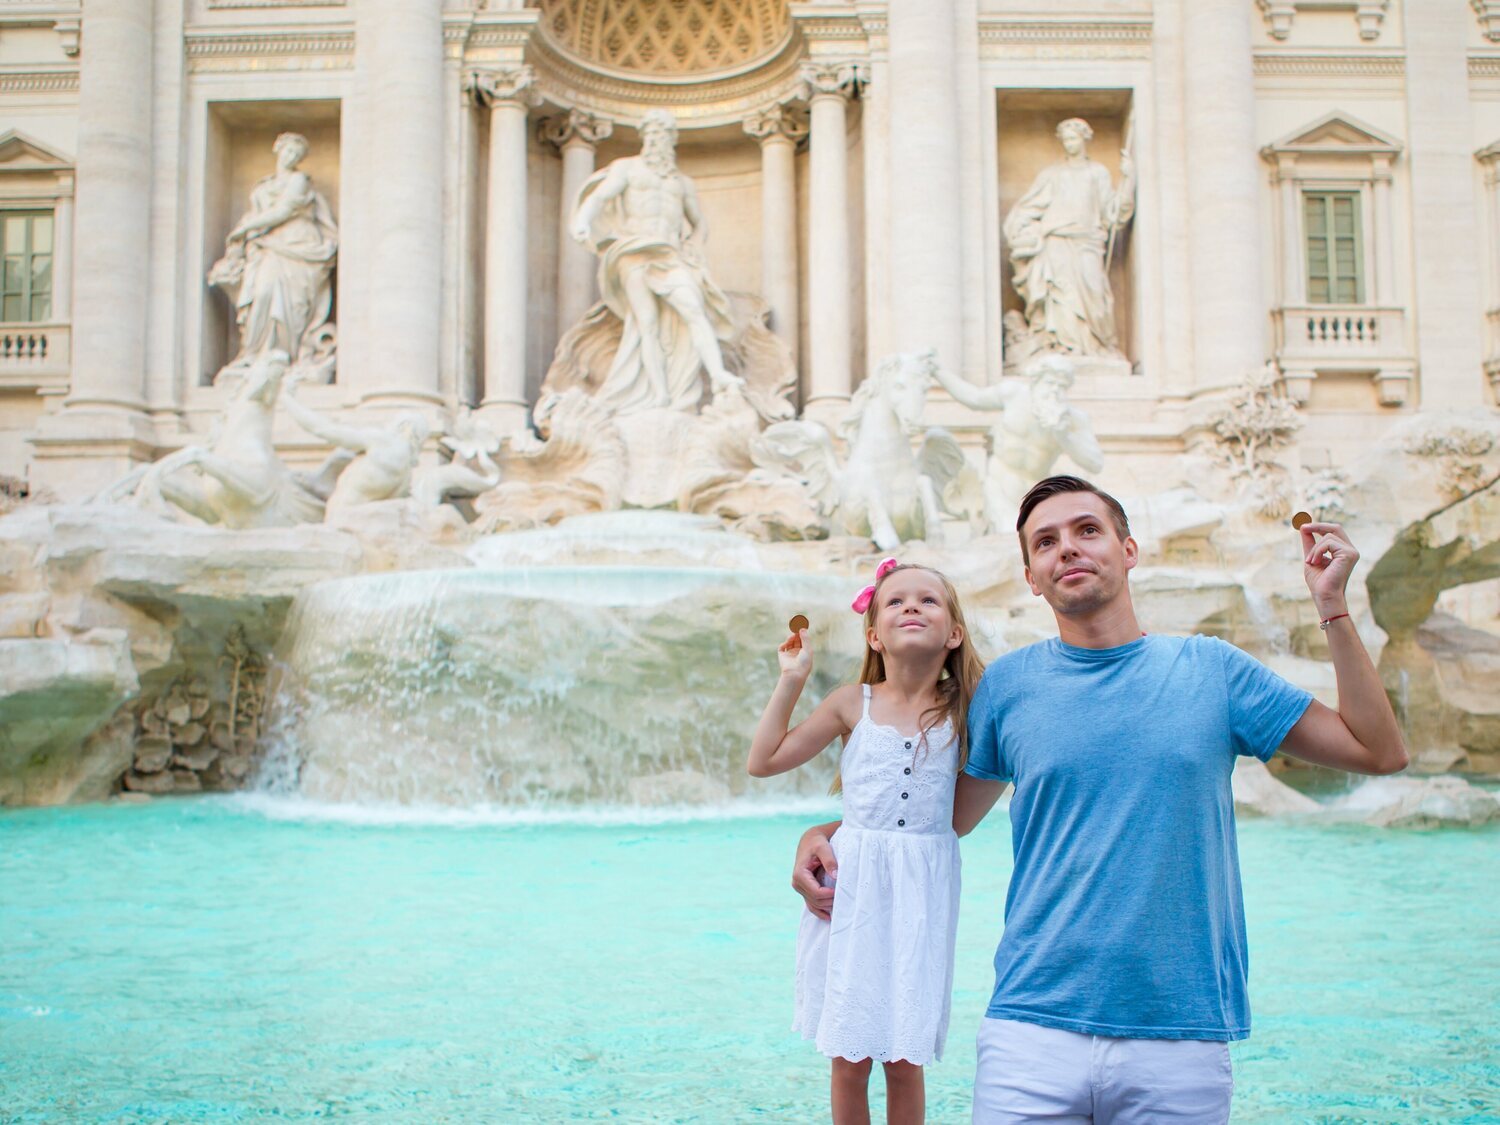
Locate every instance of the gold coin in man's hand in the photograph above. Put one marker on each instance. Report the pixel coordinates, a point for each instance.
(1300, 520)
(797, 624)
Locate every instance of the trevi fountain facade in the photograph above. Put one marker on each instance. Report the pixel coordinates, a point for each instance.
(448, 401)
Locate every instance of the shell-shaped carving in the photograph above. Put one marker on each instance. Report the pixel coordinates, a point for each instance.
(665, 36)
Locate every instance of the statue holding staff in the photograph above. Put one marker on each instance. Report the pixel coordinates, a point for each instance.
(1060, 234)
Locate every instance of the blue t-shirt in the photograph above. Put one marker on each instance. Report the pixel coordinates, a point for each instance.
(1124, 915)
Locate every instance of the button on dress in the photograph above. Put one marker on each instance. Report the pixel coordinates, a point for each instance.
(876, 982)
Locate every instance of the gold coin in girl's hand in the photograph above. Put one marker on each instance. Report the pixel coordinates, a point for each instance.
(1300, 520)
(797, 624)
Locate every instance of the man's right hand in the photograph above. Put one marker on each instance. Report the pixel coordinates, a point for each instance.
(814, 858)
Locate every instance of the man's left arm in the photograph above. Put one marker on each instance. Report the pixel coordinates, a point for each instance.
(1362, 736)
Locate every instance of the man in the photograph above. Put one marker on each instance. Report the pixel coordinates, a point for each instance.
(1120, 978)
(642, 216)
(1036, 426)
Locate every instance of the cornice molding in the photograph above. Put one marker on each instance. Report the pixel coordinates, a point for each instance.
(1484, 66)
(277, 49)
(1275, 64)
(217, 4)
(1004, 30)
(39, 81)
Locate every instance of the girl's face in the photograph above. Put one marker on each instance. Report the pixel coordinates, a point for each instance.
(911, 615)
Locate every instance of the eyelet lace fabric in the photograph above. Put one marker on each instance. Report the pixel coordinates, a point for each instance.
(875, 983)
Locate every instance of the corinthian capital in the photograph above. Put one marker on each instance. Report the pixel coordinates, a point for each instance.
(776, 121)
(510, 84)
(575, 126)
(844, 79)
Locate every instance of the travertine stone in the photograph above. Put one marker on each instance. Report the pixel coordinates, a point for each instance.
(509, 93)
(926, 240)
(113, 219)
(779, 130)
(829, 87)
(399, 67)
(576, 135)
(1228, 307)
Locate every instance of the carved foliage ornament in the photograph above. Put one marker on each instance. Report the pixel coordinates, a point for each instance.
(843, 79)
(575, 127)
(510, 84)
(776, 121)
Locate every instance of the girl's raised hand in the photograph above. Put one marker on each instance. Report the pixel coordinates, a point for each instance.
(795, 656)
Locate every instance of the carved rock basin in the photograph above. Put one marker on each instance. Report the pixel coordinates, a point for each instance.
(543, 686)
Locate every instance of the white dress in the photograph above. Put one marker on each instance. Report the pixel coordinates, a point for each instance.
(875, 983)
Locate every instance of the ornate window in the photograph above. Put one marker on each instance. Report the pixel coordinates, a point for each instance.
(1335, 274)
(26, 251)
(1339, 307)
(36, 236)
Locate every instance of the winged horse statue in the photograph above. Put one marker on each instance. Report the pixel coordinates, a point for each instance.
(883, 490)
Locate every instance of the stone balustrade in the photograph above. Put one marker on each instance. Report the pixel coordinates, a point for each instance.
(1358, 339)
(1335, 331)
(29, 352)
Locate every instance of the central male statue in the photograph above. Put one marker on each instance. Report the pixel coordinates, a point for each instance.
(641, 216)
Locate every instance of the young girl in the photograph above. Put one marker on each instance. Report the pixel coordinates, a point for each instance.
(874, 983)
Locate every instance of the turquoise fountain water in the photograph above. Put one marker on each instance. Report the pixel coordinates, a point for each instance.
(503, 864)
(231, 960)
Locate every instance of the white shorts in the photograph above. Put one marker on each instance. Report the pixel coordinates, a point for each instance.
(1031, 1073)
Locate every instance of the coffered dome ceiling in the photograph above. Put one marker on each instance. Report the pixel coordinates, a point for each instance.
(662, 38)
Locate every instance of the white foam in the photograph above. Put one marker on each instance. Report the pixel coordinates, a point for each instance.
(292, 808)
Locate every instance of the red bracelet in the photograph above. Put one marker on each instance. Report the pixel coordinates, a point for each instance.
(1329, 620)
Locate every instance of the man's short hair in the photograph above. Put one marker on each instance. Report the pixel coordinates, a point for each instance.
(1056, 486)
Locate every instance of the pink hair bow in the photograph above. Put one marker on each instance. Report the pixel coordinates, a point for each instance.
(862, 602)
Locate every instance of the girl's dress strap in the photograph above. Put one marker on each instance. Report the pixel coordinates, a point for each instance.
(865, 713)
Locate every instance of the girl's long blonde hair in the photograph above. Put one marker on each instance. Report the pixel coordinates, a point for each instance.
(962, 669)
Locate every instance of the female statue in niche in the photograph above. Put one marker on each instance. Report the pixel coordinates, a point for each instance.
(277, 268)
(1059, 233)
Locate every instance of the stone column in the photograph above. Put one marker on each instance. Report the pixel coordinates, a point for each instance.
(926, 194)
(778, 131)
(509, 94)
(829, 87)
(400, 44)
(114, 206)
(103, 430)
(576, 135)
(1447, 273)
(62, 258)
(1229, 317)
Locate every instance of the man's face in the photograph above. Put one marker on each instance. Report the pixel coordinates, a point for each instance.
(1072, 141)
(1077, 560)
